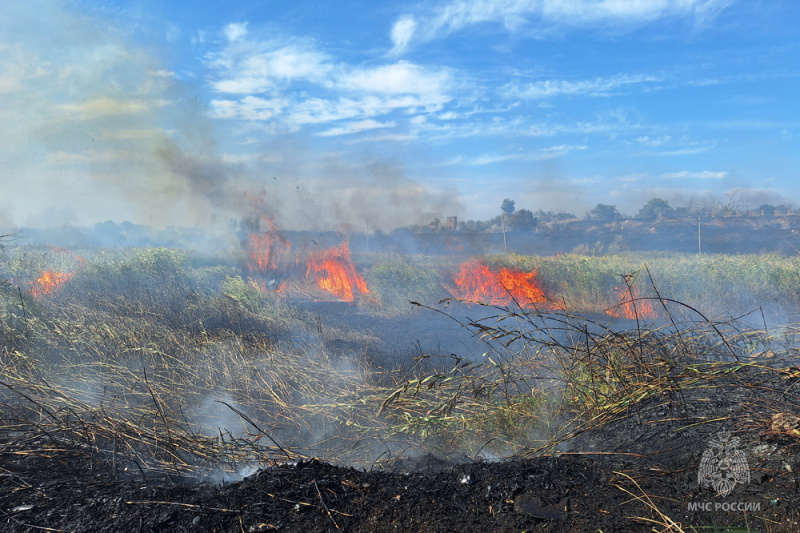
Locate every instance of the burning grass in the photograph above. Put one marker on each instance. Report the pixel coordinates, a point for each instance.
(335, 273)
(506, 286)
(162, 370)
(275, 264)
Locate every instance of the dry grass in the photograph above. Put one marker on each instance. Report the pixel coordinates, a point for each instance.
(135, 365)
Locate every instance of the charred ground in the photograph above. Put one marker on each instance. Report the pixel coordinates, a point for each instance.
(637, 473)
(358, 422)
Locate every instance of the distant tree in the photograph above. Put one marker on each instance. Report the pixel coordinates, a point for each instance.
(552, 216)
(507, 206)
(605, 212)
(563, 215)
(6, 238)
(767, 209)
(655, 208)
(522, 220)
(732, 203)
(473, 226)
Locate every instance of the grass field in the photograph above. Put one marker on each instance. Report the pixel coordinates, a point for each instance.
(172, 362)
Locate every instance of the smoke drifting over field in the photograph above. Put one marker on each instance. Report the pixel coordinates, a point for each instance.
(105, 131)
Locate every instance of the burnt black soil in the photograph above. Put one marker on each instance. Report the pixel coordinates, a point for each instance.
(636, 473)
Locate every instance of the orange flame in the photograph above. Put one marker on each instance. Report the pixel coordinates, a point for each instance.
(267, 252)
(48, 282)
(335, 272)
(261, 285)
(479, 283)
(631, 305)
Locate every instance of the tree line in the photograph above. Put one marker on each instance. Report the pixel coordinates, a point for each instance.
(524, 220)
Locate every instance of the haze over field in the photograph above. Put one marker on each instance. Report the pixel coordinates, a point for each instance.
(378, 114)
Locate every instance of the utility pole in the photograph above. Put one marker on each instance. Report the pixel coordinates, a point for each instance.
(505, 244)
(699, 247)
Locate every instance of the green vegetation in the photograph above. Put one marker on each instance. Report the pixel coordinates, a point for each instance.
(151, 352)
(656, 208)
(604, 212)
(722, 285)
(396, 281)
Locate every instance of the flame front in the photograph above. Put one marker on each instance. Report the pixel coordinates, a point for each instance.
(267, 252)
(478, 282)
(631, 305)
(335, 272)
(48, 282)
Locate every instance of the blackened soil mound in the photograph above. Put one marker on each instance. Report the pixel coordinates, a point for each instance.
(637, 473)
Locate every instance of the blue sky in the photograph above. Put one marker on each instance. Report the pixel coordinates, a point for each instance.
(378, 114)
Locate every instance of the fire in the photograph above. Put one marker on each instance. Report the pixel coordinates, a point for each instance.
(274, 263)
(631, 305)
(335, 272)
(267, 252)
(478, 282)
(266, 288)
(48, 282)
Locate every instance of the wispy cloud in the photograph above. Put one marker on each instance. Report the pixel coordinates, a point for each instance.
(100, 107)
(396, 78)
(594, 87)
(290, 82)
(610, 123)
(248, 108)
(402, 33)
(665, 146)
(646, 140)
(19, 66)
(689, 175)
(234, 31)
(455, 15)
(356, 127)
(247, 66)
(551, 152)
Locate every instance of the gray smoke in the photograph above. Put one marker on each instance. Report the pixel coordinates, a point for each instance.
(104, 130)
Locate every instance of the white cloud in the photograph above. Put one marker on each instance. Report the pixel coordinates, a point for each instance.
(514, 14)
(356, 127)
(291, 83)
(595, 87)
(402, 32)
(249, 66)
(99, 107)
(234, 32)
(448, 115)
(19, 66)
(397, 78)
(488, 159)
(551, 152)
(654, 141)
(321, 110)
(388, 137)
(702, 175)
(248, 108)
(562, 149)
(678, 148)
